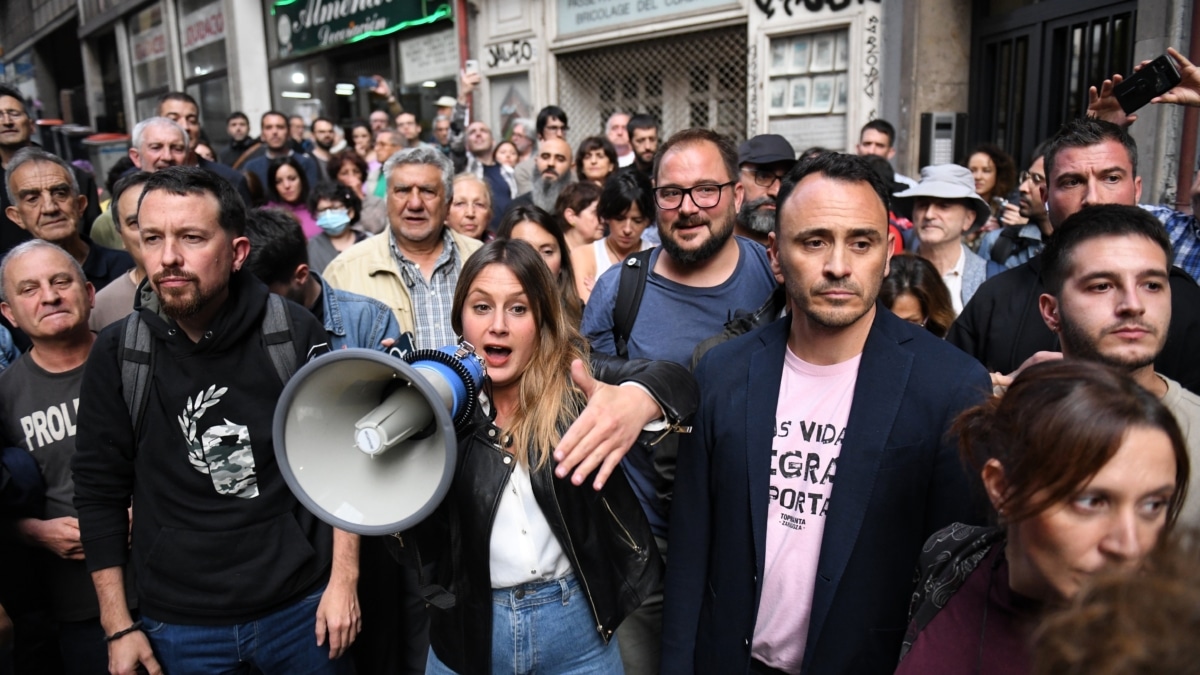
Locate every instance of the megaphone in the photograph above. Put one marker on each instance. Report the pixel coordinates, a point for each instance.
(367, 441)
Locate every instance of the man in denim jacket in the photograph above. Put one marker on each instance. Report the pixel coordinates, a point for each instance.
(279, 257)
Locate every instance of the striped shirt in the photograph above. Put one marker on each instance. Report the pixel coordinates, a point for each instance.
(431, 298)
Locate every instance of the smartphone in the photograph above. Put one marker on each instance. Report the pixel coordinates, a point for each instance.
(471, 66)
(1157, 78)
(366, 82)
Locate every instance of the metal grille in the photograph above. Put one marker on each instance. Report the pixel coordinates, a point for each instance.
(695, 80)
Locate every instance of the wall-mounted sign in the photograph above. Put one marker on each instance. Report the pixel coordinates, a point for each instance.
(303, 26)
(202, 27)
(581, 16)
(429, 57)
(149, 45)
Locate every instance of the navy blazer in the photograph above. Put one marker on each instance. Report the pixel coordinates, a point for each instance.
(899, 479)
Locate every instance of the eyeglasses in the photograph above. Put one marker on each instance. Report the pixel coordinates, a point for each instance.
(556, 128)
(1035, 178)
(704, 196)
(763, 177)
(14, 115)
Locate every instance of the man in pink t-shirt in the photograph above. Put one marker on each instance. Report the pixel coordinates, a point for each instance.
(772, 569)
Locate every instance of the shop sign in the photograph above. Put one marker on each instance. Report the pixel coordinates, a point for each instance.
(149, 45)
(579, 16)
(429, 57)
(202, 27)
(303, 26)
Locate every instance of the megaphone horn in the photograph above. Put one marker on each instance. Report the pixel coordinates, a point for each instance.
(366, 440)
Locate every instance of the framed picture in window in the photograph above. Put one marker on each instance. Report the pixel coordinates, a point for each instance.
(843, 91)
(823, 92)
(841, 58)
(777, 95)
(822, 54)
(798, 94)
(779, 56)
(801, 47)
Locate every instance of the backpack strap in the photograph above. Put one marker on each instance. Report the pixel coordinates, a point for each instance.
(137, 362)
(634, 271)
(1008, 244)
(277, 337)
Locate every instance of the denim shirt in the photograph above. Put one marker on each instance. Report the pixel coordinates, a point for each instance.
(354, 320)
(8, 350)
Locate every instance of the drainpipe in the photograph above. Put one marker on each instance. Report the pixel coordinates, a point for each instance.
(1191, 120)
(464, 49)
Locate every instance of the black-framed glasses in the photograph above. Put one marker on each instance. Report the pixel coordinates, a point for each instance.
(704, 196)
(764, 177)
(1036, 178)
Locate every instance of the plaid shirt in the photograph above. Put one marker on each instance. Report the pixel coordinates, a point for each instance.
(1185, 237)
(433, 297)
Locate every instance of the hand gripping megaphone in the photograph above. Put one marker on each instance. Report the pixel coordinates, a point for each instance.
(366, 440)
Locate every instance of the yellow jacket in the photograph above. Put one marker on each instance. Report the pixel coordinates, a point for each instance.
(369, 269)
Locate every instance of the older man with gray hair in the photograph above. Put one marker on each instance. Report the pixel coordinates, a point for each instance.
(158, 142)
(414, 268)
(46, 203)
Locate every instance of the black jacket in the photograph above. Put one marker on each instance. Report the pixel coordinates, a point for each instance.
(218, 537)
(1002, 326)
(604, 534)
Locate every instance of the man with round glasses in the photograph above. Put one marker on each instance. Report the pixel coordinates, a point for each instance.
(697, 280)
(762, 163)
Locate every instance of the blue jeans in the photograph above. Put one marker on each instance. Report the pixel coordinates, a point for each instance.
(545, 628)
(283, 643)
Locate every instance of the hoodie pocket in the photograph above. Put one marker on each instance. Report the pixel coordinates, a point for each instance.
(224, 571)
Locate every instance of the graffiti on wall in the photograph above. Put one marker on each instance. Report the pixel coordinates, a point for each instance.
(511, 53)
(768, 6)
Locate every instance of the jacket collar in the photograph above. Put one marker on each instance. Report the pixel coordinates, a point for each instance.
(332, 309)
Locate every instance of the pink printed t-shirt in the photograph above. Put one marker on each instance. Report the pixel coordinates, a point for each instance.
(810, 423)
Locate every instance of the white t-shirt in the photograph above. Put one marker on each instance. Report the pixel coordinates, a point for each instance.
(810, 423)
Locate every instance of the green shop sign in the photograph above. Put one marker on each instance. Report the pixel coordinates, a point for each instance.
(303, 26)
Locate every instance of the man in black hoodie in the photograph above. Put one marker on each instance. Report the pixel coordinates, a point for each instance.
(231, 569)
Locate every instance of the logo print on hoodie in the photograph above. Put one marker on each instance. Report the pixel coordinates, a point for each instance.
(222, 451)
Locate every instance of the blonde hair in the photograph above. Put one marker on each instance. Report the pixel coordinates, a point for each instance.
(547, 398)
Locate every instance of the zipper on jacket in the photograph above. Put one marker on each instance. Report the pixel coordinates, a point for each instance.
(624, 530)
(604, 635)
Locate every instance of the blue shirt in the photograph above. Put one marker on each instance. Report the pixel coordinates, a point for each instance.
(1184, 232)
(354, 320)
(674, 318)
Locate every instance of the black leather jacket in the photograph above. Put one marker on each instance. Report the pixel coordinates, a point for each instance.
(604, 534)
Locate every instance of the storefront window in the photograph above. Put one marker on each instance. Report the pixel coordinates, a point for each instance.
(202, 41)
(148, 44)
(302, 88)
(807, 88)
(202, 37)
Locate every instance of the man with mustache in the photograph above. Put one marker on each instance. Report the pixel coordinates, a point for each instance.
(694, 282)
(819, 463)
(554, 173)
(1108, 299)
(47, 204)
(762, 163)
(1013, 245)
(221, 547)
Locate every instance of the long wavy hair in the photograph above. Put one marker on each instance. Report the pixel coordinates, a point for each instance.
(567, 290)
(548, 400)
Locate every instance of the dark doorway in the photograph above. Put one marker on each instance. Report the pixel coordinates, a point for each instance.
(1032, 64)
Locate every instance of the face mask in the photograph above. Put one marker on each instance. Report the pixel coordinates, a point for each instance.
(333, 221)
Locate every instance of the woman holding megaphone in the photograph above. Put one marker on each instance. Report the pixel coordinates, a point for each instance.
(542, 571)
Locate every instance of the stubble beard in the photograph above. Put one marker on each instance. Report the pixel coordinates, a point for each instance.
(1080, 345)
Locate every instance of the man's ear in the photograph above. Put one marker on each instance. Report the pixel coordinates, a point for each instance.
(1048, 307)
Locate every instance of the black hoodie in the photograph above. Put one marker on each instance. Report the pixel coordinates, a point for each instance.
(217, 536)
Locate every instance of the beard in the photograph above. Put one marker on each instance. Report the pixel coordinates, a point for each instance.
(755, 218)
(185, 301)
(836, 317)
(717, 236)
(546, 191)
(1076, 341)
(323, 146)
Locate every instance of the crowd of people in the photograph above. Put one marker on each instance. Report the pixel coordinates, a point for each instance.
(681, 333)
